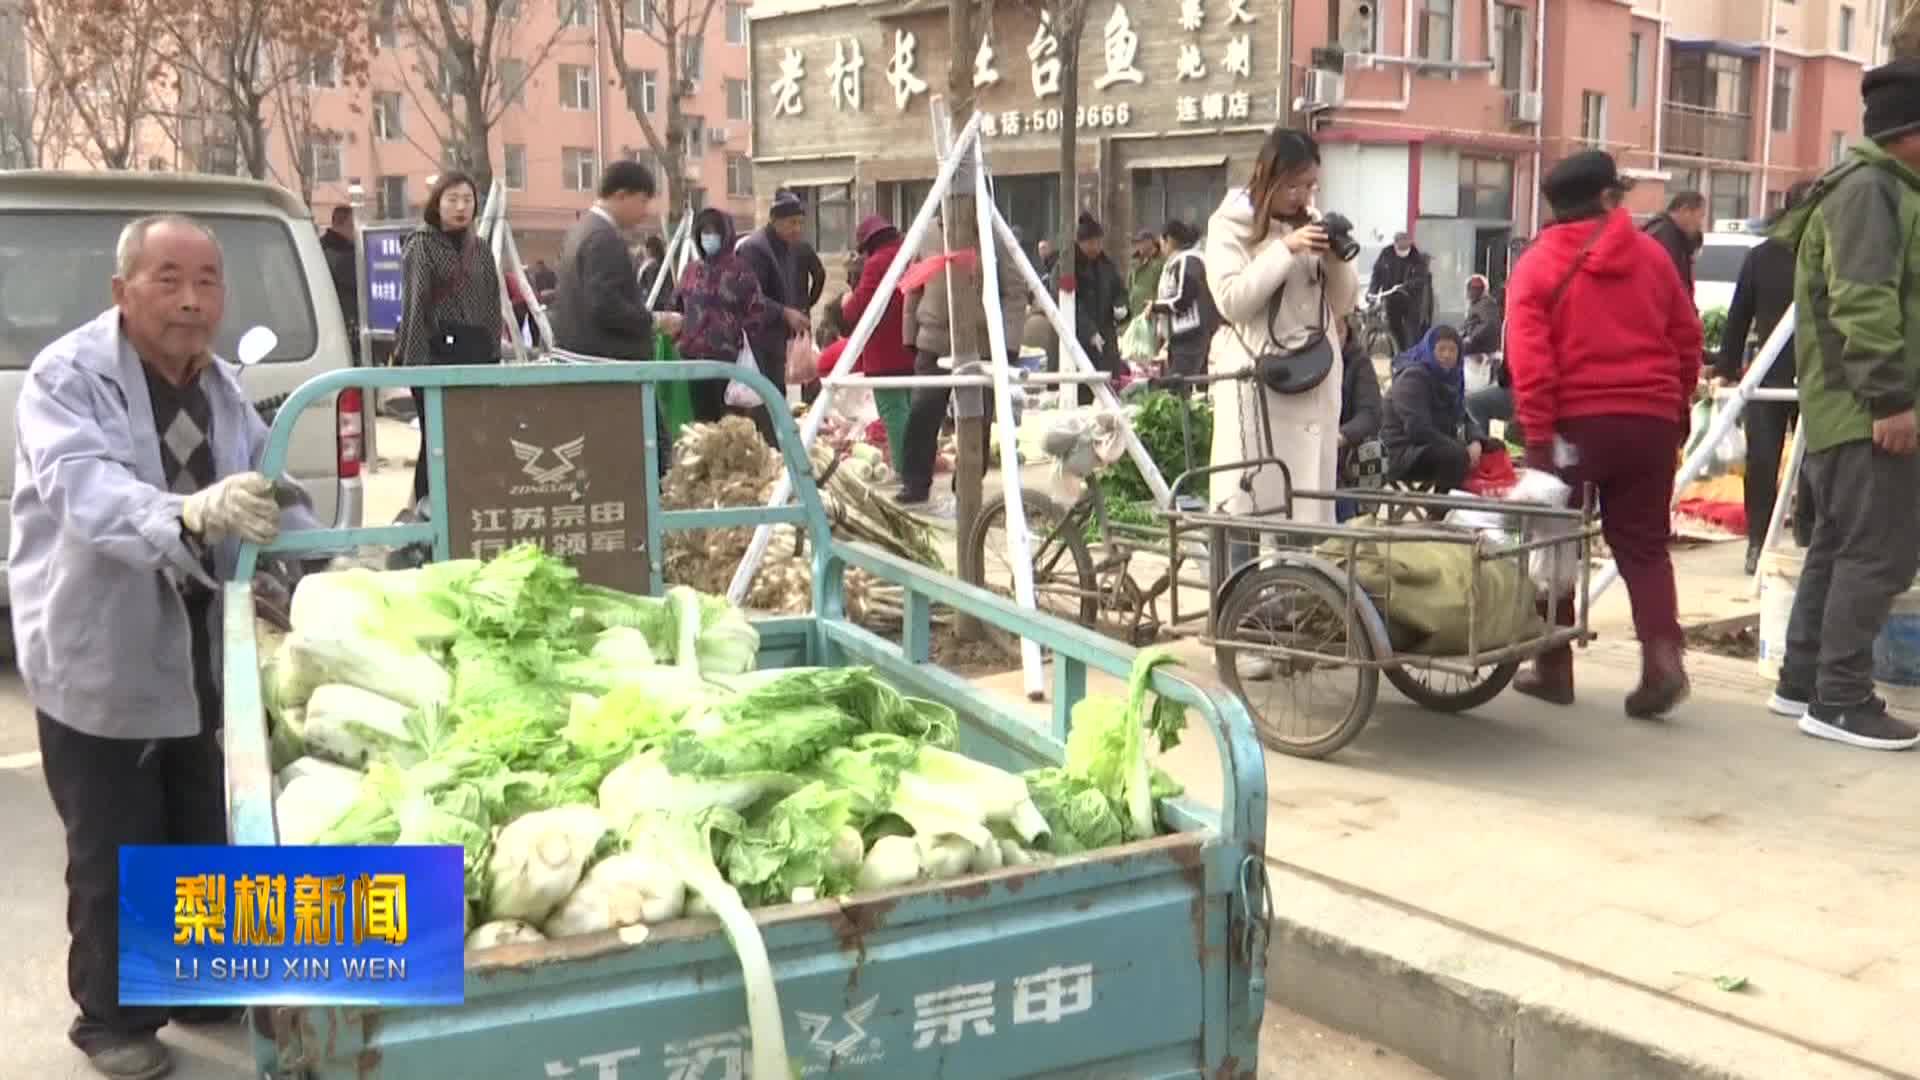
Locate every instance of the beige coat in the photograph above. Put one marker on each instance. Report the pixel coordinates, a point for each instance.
(1306, 427)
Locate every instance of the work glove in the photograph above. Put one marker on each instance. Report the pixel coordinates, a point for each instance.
(238, 506)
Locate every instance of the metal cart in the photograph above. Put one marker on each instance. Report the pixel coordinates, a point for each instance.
(1146, 960)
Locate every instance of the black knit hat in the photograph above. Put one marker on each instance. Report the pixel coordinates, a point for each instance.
(1090, 229)
(1892, 96)
(1582, 178)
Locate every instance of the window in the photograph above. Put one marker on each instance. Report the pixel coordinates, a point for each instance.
(514, 165)
(1593, 118)
(322, 72)
(386, 116)
(513, 81)
(1838, 149)
(1486, 188)
(576, 12)
(579, 172)
(739, 176)
(1436, 29)
(829, 216)
(1635, 57)
(453, 156)
(697, 198)
(694, 146)
(739, 99)
(1729, 199)
(643, 90)
(55, 266)
(386, 25)
(637, 15)
(1846, 28)
(693, 59)
(390, 198)
(1679, 180)
(576, 86)
(1714, 81)
(1189, 195)
(1782, 98)
(736, 24)
(1511, 24)
(324, 154)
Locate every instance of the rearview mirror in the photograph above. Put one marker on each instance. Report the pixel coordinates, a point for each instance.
(255, 344)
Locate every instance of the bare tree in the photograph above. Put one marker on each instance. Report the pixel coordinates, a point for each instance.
(473, 62)
(679, 27)
(293, 115)
(241, 53)
(1906, 30)
(18, 102)
(101, 60)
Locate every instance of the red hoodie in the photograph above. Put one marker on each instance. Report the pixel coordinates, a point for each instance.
(1624, 338)
(886, 352)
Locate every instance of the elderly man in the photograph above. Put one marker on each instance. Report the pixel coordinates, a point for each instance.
(134, 483)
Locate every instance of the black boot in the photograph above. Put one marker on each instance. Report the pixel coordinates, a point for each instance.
(1550, 679)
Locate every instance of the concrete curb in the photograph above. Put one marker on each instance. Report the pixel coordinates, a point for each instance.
(1474, 1007)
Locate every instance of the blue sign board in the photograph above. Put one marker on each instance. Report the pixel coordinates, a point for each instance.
(263, 925)
(386, 276)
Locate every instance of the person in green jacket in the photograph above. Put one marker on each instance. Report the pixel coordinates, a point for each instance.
(1143, 280)
(1856, 240)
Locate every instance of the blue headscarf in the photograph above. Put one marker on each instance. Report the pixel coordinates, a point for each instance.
(1422, 355)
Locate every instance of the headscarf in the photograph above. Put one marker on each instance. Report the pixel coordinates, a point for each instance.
(1422, 355)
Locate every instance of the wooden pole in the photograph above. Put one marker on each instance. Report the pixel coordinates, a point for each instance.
(967, 309)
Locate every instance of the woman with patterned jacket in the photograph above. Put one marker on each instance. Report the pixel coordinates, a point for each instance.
(721, 299)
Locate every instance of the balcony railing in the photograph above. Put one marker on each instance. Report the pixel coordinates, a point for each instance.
(1709, 133)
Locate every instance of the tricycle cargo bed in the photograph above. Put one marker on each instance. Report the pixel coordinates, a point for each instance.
(1143, 960)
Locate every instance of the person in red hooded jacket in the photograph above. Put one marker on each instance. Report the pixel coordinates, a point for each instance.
(886, 352)
(1604, 346)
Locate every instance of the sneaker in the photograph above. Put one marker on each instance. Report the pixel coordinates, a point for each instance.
(912, 496)
(137, 1058)
(1753, 559)
(1865, 725)
(1788, 701)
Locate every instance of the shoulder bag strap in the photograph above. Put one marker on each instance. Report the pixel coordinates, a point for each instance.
(1574, 267)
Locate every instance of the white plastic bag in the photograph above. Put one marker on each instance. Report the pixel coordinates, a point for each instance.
(739, 394)
(1555, 569)
(1731, 454)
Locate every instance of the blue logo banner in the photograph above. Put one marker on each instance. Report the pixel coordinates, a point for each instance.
(386, 275)
(263, 925)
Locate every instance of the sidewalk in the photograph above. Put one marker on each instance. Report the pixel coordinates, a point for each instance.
(1446, 876)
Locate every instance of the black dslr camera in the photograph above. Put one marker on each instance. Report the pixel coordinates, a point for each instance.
(1340, 239)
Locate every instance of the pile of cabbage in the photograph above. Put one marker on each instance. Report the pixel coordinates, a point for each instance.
(610, 761)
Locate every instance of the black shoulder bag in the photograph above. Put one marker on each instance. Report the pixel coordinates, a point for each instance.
(454, 342)
(1297, 370)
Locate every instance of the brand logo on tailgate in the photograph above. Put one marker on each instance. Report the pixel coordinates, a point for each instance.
(549, 466)
(842, 1040)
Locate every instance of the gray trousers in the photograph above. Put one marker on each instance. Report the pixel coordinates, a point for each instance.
(1866, 547)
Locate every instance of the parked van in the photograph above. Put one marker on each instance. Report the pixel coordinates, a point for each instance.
(58, 231)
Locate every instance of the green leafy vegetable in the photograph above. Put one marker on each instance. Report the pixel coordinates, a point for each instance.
(792, 848)
(1107, 750)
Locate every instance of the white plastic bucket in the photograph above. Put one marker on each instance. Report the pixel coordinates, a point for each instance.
(1896, 654)
(1779, 573)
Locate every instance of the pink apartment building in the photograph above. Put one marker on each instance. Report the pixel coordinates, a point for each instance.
(1436, 116)
(568, 120)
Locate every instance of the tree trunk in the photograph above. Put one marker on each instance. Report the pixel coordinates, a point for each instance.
(968, 306)
(1906, 31)
(479, 153)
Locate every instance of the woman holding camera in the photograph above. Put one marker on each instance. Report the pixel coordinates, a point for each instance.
(1283, 293)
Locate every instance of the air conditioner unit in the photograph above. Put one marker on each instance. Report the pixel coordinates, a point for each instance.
(1325, 90)
(717, 136)
(1523, 107)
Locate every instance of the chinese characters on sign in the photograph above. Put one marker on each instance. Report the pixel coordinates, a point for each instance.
(260, 910)
(561, 467)
(1227, 56)
(386, 271)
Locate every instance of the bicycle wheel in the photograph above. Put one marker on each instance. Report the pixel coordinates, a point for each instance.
(1064, 583)
(1446, 691)
(1298, 608)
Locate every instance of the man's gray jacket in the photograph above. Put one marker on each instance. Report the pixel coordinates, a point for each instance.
(97, 554)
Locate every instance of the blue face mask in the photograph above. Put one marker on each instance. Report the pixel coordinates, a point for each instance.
(710, 243)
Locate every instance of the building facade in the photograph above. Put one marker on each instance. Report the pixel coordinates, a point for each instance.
(1436, 116)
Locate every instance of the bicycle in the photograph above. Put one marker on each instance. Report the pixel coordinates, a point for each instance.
(1375, 326)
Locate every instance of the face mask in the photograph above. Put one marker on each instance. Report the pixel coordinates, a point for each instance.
(710, 243)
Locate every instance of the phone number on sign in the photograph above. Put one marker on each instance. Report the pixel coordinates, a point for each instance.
(1039, 120)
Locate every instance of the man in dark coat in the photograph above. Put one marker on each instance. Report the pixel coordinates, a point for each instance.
(1099, 302)
(597, 308)
(775, 254)
(1409, 310)
(1761, 298)
(1681, 230)
(337, 245)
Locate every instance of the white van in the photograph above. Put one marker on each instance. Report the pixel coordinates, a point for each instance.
(57, 237)
(1716, 266)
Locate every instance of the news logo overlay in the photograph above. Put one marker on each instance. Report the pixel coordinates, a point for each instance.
(292, 926)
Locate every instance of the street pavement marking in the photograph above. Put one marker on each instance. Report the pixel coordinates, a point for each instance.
(27, 760)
